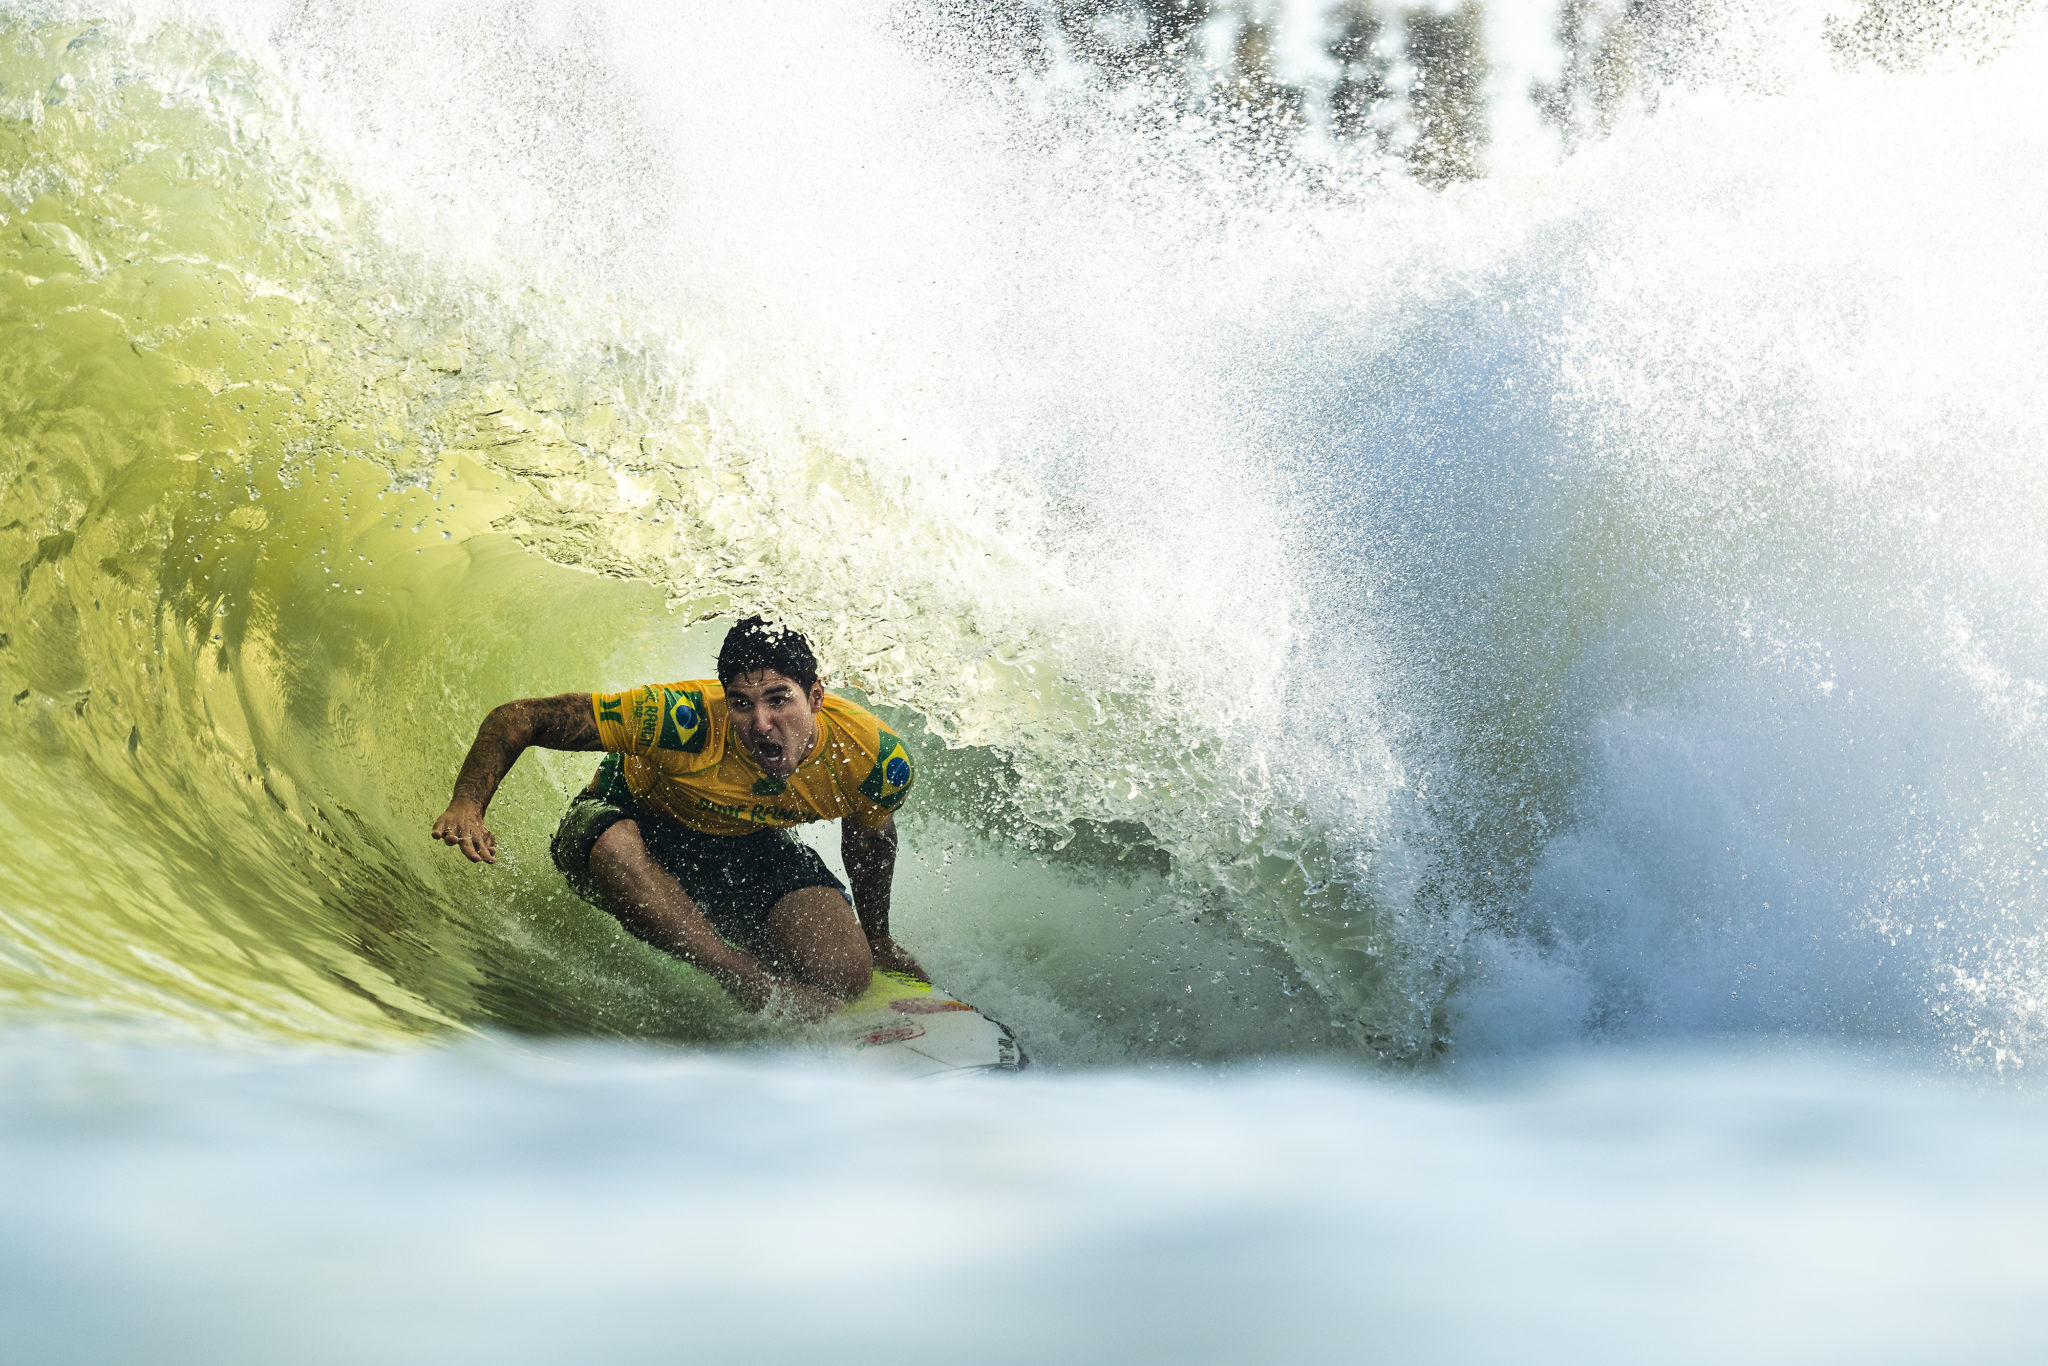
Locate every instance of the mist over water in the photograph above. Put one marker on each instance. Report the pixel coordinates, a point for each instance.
(1757, 737)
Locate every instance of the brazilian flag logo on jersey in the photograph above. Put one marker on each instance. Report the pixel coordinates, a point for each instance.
(889, 782)
(684, 725)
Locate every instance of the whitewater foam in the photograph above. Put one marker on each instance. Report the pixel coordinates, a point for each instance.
(1602, 598)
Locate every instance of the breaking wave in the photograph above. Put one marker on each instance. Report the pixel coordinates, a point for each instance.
(1332, 614)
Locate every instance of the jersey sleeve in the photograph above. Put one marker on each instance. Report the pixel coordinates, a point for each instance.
(660, 716)
(888, 782)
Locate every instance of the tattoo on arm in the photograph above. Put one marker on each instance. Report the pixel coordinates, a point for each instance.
(563, 722)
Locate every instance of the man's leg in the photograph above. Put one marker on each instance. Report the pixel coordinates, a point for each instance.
(819, 940)
(645, 898)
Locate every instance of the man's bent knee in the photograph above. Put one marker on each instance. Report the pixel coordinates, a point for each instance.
(619, 859)
(628, 883)
(846, 973)
(849, 979)
(620, 843)
(821, 940)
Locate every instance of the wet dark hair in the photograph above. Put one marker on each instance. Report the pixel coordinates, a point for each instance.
(756, 644)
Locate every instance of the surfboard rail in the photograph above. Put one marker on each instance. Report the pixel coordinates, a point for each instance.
(902, 1025)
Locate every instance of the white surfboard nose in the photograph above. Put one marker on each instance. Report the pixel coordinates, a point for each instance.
(912, 1028)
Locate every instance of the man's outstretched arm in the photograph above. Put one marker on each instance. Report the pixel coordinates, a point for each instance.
(871, 867)
(564, 722)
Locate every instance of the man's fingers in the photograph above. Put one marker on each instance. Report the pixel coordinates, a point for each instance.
(477, 844)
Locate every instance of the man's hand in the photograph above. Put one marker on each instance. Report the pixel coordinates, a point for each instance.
(890, 957)
(462, 825)
(564, 722)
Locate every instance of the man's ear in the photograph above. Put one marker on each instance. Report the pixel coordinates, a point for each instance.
(817, 696)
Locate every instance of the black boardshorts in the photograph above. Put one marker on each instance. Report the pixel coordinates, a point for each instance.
(734, 879)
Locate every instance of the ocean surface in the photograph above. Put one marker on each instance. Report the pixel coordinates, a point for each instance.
(1490, 740)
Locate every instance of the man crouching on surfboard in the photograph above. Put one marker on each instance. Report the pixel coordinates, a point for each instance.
(681, 834)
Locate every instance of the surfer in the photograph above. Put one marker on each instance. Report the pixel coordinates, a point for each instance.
(682, 833)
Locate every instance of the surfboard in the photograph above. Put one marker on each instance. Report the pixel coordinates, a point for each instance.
(912, 1028)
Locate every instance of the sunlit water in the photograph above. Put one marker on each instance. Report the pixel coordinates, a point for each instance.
(1490, 743)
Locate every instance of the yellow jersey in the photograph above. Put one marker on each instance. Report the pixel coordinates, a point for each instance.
(682, 762)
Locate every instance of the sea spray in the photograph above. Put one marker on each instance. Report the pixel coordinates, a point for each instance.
(1596, 599)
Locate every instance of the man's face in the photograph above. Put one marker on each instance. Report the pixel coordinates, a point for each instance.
(775, 719)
